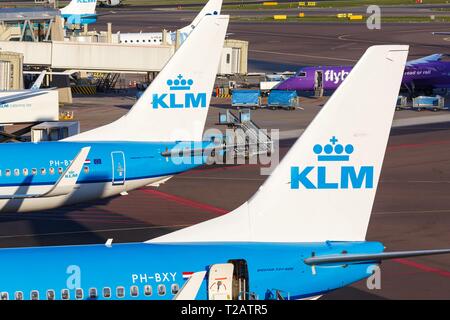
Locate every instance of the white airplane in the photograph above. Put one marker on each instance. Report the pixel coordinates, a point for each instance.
(301, 235)
(128, 153)
(110, 3)
(212, 7)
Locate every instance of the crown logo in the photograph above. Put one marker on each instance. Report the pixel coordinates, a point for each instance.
(180, 83)
(333, 151)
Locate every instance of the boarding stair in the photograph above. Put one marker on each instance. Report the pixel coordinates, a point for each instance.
(249, 139)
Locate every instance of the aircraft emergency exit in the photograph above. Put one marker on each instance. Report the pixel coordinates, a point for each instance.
(301, 235)
(132, 151)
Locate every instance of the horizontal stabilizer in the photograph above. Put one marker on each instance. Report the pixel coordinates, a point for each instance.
(21, 96)
(376, 257)
(191, 287)
(65, 183)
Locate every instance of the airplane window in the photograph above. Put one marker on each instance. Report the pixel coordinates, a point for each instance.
(79, 294)
(120, 292)
(34, 171)
(107, 292)
(65, 294)
(34, 295)
(8, 172)
(161, 290)
(18, 295)
(86, 169)
(52, 170)
(25, 171)
(16, 172)
(154, 40)
(43, 171)
(175, 288)
(92, 293)
(126, 41)
(228, 58)
(50, 295)
(134, 291)
(60, 170)
(5, 296)
(137, 41)
(131, 41)
(148, 290)
(301, 74)
(160, 40)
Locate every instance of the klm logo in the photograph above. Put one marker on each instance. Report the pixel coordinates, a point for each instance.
(179, 98)
(349, 177)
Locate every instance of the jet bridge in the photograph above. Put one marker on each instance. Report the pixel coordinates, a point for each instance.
(66, 55)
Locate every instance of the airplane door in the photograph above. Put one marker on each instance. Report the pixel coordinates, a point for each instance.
(318, 82)
(240, 279)
(220, 281)
(118, 168)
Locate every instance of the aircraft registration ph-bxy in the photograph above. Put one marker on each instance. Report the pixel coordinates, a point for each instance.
(421, 75)
(301, 235)
(130, 152)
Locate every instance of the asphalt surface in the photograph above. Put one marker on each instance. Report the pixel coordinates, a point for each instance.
(412, 206)
(280, 46)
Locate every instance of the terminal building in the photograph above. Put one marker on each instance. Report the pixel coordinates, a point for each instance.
(39, 37)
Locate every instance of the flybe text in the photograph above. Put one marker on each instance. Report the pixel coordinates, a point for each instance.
(316, 178)
(174, 101)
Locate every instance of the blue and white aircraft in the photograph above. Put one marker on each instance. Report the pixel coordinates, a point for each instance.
(300, 236)
(79, 12)
(131, 152)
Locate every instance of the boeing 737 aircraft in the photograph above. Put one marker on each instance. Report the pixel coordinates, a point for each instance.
(212, 7)
(130, 152)
(301, 235)
(421, 75)
(79, 12)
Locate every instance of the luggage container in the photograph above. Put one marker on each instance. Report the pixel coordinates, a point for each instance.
(429, 103)
(283, 99)
(246, 99)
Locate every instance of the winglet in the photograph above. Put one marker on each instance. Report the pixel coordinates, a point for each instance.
(70, 176)
(191, 287)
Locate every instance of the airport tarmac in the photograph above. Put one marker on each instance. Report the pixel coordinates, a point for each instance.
(412, 206)
(411, 211)
(280, 46)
